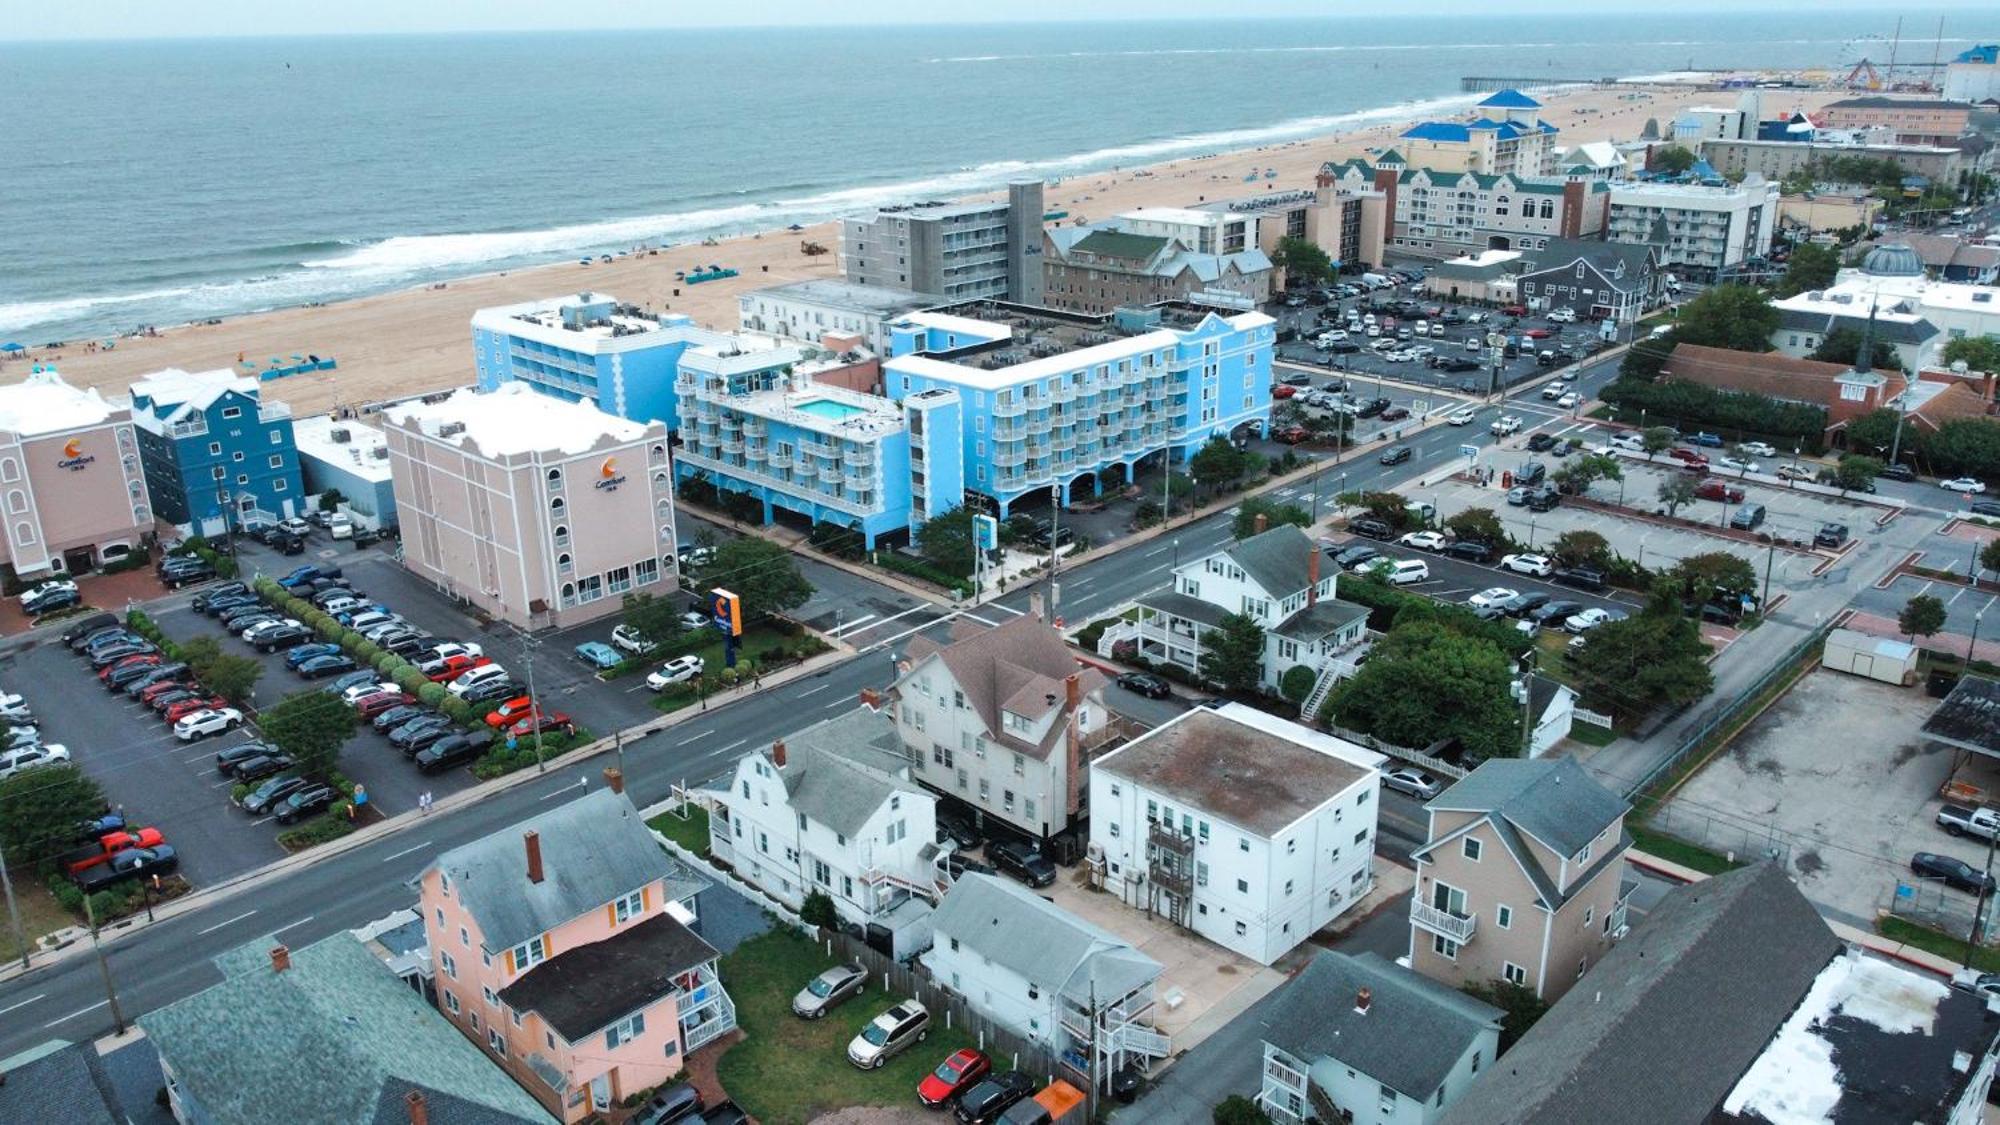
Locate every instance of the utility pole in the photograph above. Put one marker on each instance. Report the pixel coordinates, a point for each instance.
(104, 966)
(1055, 549)
(13, 913)
(1979, 907)
(1770, 553)
(528, 645)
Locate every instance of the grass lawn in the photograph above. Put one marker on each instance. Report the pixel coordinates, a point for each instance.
(789, 1069)
(691, 833)
(40, 914)
(1674, 850)
(1590, 734)
(1985, 959)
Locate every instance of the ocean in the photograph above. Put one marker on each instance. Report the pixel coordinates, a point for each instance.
(158, 182)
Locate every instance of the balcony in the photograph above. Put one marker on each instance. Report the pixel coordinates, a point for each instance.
(755, 427)
(859, 476)
(195, 428)
(1009, 431)
(273, 412)
(1014, 409)
(1457, 927)
(1009, 458)
(732, 445)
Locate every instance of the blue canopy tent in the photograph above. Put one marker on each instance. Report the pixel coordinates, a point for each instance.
(13, 346)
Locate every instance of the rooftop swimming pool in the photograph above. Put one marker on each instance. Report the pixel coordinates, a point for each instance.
(829, 409)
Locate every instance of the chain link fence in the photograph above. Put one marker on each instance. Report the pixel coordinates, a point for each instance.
(1930, 902)
(1722, 834)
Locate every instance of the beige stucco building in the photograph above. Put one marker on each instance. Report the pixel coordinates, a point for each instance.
(538, 511)
(71, 487)
(1522, 878)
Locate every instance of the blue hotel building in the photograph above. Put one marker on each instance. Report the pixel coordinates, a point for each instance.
(1061, 401)
(208, 445)
(589, 348)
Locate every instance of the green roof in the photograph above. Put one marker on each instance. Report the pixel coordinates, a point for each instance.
(1118, 244)
(1389, 156)
(337, 1037)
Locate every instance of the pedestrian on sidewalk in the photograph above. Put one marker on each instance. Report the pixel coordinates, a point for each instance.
(424, 802)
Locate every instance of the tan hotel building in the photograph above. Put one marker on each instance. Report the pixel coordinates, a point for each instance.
(72, 493)
(535, 510)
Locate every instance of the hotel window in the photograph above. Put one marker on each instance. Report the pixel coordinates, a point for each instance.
(236, 457)
(219, 473)
(494, 1040)
(569, 594)
(619, 580)
(215, 449)
(488, 995)
(277, 460)
(17, 501)
(590, 589)
(451, 1001)
(11, 469)
(631, 906)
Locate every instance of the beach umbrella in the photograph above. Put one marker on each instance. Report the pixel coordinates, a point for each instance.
(13, 346)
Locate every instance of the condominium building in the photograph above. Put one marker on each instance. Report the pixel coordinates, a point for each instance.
(960, 251)
(589, 348)
(216, 455)
(536, 511)
(811, 310)
(1973, 75)
(754, 420)
(1053, 400)
(1342, 219)
(1504, 136)
(1156, 254)
(1775, 160)
(1698, 124)
(71, 473)
(1909, 121)
(1248, 829)
(1441, 213)
(1699, 230)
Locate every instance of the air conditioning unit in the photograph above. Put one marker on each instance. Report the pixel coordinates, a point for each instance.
(340, 435)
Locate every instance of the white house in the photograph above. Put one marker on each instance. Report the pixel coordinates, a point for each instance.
(832, 809)
(1248, 829)
(1000, 720)
(1275, 578)
(1362, 1039)
(1043, 973)
(1551, 711)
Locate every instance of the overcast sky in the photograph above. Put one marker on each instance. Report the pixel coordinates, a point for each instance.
(145, 19)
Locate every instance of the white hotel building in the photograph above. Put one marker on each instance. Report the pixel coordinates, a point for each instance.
(1698, 230)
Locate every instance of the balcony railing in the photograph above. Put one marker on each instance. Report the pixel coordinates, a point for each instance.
(1457, 927)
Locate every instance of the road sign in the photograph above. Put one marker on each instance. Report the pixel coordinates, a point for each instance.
(1496, 339)
(1469, 452)
(985, 532)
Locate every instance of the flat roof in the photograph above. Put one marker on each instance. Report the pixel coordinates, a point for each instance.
(357, 453)
(1048, 342)
(1695, 194)
(1186, 215)
(874, 300)
(44, 404)
(514, 418)
(1969, 718)
(628, 324)
(1243, 766)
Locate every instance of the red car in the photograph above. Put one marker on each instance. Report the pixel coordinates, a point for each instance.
(1713, 489)
(189, 706)
(1291, 435)
(1283, 391)
(1513, 310)
(1538, 333)
(372, 705)
(154, 691)
(954, 1076)
(1688, 457)
(529, 724)
(452, 667)
(515, 708)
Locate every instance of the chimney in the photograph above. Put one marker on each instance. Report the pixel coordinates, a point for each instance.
(420, 1111)
(1312, 574)
(281, 958)
(615, 778)
(534, 841)
(778, 753)
(1073, 689)
(1263, 523)
(1362, 999)
(871, 699)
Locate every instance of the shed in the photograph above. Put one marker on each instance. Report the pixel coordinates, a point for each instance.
(1877, 658)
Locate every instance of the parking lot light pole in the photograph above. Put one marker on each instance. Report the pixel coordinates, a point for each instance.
(1972, 649)
(528, 645)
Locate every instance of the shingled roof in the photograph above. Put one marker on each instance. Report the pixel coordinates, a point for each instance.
(1413, 1033)
(838, 772)
(1014, 666)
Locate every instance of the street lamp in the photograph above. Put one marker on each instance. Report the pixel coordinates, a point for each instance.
(1972, 649)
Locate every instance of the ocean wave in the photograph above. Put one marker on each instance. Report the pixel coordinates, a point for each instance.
(412, 253)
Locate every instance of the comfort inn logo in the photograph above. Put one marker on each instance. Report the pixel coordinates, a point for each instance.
(608, 477)
(74, 458)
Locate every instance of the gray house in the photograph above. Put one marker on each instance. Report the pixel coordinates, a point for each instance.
(59, 1081)
(1615, 281)
(1363, 1039)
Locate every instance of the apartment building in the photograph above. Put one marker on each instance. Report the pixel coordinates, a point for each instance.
(1909, 121)
(1156, 254)
(1051, 977)
(756, 421)
(1000, 721)
(589, 348)
(1775, 160)
(563, 948)
(1973, 75)
(1343, 220)
(538, 511)
(1274, 578)
(71, 472)
(1698, 124)
(216, 455)
(1698, 230)
(1522, 877)
(1437, 212)
(813, 309)
(1504, 136)
(1364, 1039)
(1250, 830)
(351, 457)
(1055, 402)
(833, 809)
(959, 251)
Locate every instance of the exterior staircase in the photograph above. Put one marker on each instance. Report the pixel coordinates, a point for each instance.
(1322, 688)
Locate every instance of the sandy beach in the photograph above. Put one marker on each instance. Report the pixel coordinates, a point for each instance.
(419, 340)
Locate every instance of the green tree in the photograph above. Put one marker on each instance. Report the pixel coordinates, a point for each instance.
(1739, 317)
(41, 808)
(1922, 616)
(764, 575)
(656, 619)
(1424, 683)
(1220, 464)
(1236, 1109)
(1389, 507)
(1652, 659)
(1479, 524)
(1647, 355)
(1797, 182)
(945, 541)
(1656, 439)
(1874, 430)
(311, 726)
(1579, 473)
(1581, 547)
(1856, 470)
(1521, 1008)
(1302, 260)
(1811, 266)
(1978, 353)
(1673, 160)
(1989, 555)
(1274, 513)
(233, 677)
(1704, 577)
(1232, 654)
(200, 654)
(331, 500)
(1676, 491)
(1964, 445)
(1298, 680)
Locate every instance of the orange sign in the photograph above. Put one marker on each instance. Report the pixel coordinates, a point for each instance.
(609, 468)
(73, 447)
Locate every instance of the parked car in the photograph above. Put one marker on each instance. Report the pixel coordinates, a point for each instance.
(1521, 605)
(1402, 572)
(15, 759)
(201, 724)
(454, 750)
(1581, 577)
(306, 652)
(1355, 555)
(1146, 684)
(599, 655)
(1712, 488)
(283, 636)
(1959, 820)
(229, 757)
(888, 1034)
(1899, 471)
(1471, 550)
(48, 599)
(1022, 861)
(396, 716)
(984, 1103)
(1536, 565)
(1953, 872)
(1395, 455)
(1794, 472)
(959, 1072)
(1830, 535)
(679, 1102)
(369, 706)
(320, 667)
(1371, 527)
(182, 708)
(262, 766)
(449, 668)
(1540, 442)
(79, 634)
(131, 864)
(1962, 484)
(419, 730)
(1554, 612)
(1413, 781)
(681, 669)
(829, 990)
(1423, 540)
(259, 801)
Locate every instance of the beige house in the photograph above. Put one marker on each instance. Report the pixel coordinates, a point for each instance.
(1522, 879)
(537, 511)
(71, 486)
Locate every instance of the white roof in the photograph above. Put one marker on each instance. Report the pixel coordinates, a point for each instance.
(195, 389)
(542, 320)
(314, 438)
(1186, 216)
(1486, 258)
(514, 418)
(44, 404)
(1159, 339)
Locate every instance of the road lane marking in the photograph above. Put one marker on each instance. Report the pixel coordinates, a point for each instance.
(230, 922)
(983, 621)
(695, 737)
(739, 742)
(918, 608)
(836, 703)
(1161, 550)
(289, 925)
(1008, 608)
(808, 691)
(78, 1012)
(266, 820)
(22, 1004)
(407, 851)
(857, 623)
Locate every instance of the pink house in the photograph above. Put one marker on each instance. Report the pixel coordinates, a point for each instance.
(562, 947)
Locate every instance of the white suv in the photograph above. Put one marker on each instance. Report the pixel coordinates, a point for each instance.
(28, 757)
(204, 723)
(678, 670)
(1537, 565)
